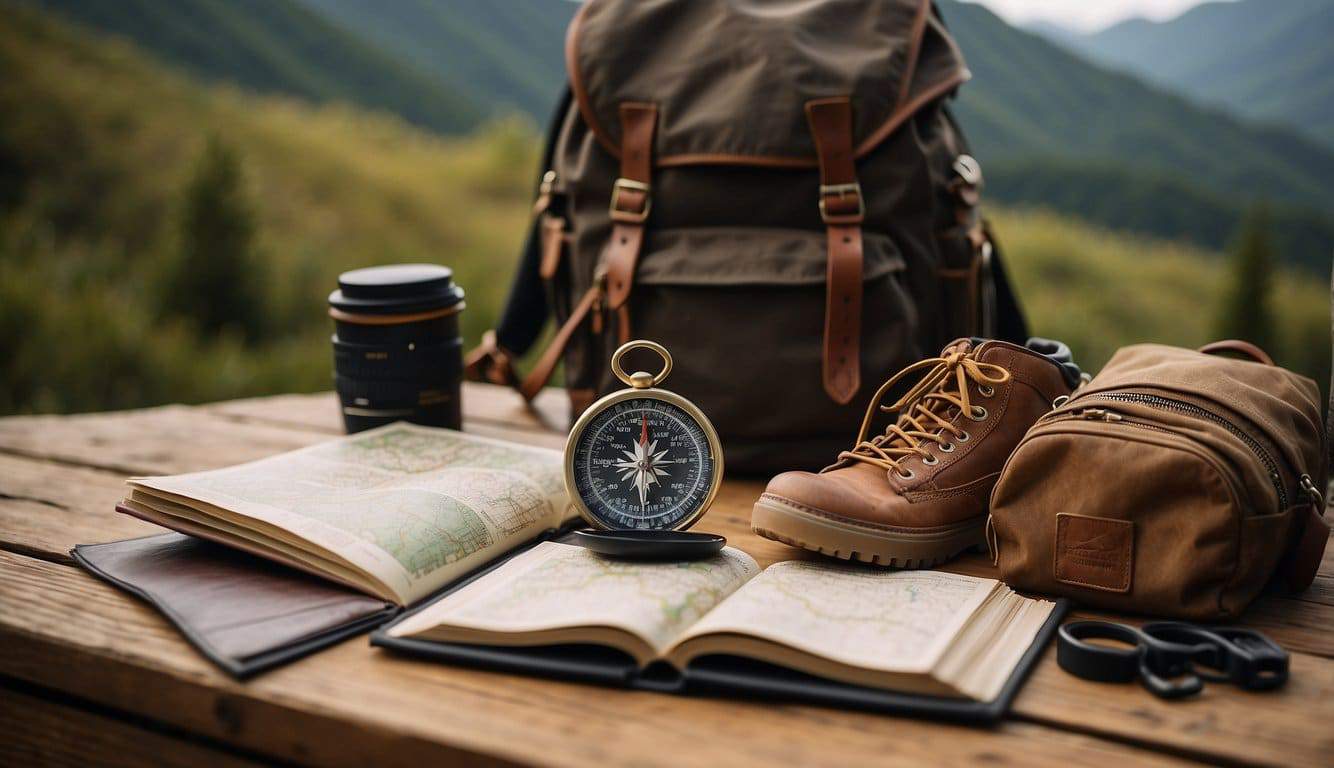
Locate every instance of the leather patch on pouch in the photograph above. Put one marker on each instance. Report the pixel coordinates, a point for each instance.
(1094, 552)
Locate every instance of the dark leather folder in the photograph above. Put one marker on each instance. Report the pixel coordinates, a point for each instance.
(243, 612)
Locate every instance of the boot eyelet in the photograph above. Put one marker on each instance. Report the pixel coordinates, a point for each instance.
(962, 438)
(930, 461)
(986, 390)
(979, 413)
(905, 475)
(946, 447)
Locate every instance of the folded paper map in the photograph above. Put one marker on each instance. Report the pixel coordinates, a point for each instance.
(924, 632)
(396, 512)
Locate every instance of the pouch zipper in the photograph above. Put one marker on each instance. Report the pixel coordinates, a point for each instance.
(1190, 409)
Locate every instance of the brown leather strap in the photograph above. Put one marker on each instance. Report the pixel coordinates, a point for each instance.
(1239, 347)
(630, 199)
(1300, 565)
(491, 363)
(552, 231)
(546, 365)
(842, 208)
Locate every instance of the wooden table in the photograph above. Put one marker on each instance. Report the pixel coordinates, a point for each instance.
(90, 674)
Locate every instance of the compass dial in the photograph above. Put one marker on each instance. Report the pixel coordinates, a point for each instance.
(643, 462)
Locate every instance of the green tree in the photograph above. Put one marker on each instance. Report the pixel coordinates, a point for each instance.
(1247, 312)
(216, 280)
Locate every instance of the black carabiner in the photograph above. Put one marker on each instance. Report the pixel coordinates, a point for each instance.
(1243, 657)
(1163, 667)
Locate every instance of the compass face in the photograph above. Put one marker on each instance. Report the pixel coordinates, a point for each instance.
(643, 462)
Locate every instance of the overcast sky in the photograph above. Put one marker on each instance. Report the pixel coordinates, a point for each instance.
(1086, 14)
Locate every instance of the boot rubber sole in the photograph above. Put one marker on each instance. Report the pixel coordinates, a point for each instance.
(774, 519)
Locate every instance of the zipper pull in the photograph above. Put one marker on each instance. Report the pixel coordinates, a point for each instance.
(1317, 498)
(1100, 414)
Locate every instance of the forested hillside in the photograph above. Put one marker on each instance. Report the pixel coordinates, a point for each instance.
(504, 53)
(99, 150)
(278, 46)
(1265, 59)
(114, 170)
(1051, 128)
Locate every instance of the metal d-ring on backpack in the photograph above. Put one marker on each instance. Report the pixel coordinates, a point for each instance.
(774, 190)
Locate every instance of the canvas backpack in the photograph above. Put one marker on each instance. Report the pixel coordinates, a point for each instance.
(774, 190)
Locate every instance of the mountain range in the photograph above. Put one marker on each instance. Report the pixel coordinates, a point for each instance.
(1050, 127)
(278, 46)
(1266, 60)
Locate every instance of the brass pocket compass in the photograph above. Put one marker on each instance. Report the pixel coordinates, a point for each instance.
(643, 458)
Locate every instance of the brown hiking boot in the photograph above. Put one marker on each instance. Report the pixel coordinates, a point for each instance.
(917, 494)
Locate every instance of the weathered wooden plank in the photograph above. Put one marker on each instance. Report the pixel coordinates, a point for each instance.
(355, 705)
(482, 404)
(177, 438)
(169, 439)
(39, 732)
(45, 508)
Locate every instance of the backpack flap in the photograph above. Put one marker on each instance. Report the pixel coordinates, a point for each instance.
(731, 78)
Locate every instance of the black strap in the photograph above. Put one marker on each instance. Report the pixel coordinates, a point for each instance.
(526, 309)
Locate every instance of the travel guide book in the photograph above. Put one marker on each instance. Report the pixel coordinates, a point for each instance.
(291, 553)
(921, 642)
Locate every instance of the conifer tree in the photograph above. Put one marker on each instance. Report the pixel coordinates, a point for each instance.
(216, 280)
(1247, 312)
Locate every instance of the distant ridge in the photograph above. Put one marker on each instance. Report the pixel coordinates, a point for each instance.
(503, 53)
(1267, 60)
(277, 46)
(1052, 128)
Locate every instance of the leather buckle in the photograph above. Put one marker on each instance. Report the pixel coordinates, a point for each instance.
(841, 192)
(620, 214)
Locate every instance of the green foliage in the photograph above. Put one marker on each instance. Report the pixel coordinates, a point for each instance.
(1157, 204)
(99, 145)
(216, 280)
(1247, 312)
(1098, 290)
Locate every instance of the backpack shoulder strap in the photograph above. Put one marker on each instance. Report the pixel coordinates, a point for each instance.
(526, 310)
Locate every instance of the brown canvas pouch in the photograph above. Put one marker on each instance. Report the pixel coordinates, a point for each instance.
(1176, 483)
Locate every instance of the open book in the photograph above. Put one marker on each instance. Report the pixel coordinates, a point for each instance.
(922, 632)
(396, 512)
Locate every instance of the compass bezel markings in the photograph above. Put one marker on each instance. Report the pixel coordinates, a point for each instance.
(701, 465)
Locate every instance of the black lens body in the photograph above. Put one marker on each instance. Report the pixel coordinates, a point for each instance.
(397, 351)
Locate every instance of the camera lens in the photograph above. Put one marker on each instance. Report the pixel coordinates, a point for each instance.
(397, 350)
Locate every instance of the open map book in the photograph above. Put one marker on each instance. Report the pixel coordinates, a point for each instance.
(396, 512)
(924, 632)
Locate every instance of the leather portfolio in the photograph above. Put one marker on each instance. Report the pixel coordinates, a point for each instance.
(243, 612)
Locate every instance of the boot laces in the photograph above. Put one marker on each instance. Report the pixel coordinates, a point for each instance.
(926, 411)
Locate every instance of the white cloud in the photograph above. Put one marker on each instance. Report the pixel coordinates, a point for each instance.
(1086, 14)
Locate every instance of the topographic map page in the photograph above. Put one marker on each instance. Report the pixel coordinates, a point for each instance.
(415, 506)
(558, 585)
(879, 620)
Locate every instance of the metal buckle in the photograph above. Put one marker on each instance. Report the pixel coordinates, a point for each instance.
(617, 214)
(968, 169)
(841, 191)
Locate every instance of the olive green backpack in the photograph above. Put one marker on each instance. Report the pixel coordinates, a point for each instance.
(776, 192)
